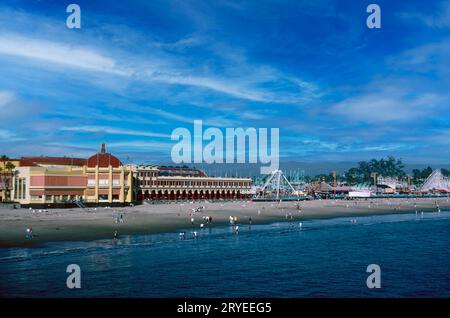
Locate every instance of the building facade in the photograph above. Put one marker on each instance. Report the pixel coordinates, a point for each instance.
(48, 184)
(57, 180)
(172, 183)
(103, 179)
(108, 180)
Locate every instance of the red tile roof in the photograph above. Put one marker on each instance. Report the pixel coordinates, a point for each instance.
(66, 161)
(103, 160)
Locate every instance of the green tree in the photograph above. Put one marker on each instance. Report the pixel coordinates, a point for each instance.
(419, 176)
(389, 167)
(6, 175)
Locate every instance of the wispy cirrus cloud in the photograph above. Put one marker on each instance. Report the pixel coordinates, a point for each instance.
(440, 18)
(5, 98)
(131, 76)
(216, 121)
(164, 68)
(429, 57)
(386, 105)
(59, 53)
(113, 131)
(6, 134)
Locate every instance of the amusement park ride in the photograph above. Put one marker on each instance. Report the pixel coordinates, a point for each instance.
(277, 186)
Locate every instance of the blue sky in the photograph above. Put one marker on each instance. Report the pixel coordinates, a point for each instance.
(136, 70)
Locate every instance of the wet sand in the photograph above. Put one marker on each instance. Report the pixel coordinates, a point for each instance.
(90, 224)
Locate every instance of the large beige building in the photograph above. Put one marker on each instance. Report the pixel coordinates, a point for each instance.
(172, 183)
(107, 179)
(49, 181)
(103, 179)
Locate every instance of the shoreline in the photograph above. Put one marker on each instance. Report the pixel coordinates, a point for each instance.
(78, 224)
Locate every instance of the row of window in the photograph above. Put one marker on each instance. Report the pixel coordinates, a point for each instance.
(20, 186)
(148, 183)
(198, 183)
(65, 198)
(146, 174)
(104, 182)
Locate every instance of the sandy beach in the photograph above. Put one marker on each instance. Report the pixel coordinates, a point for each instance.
(100, 223)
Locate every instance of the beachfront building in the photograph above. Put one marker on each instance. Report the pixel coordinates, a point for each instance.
(48, 180)
(103, 179)
(182, 183)
(108, 180)
(60, 180)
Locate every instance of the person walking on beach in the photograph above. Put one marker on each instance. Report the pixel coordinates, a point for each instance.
(250, 220)
(116, 235)
(121, 218)
(29, 232)
(192, 221)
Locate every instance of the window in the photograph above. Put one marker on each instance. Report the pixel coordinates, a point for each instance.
(24, 188)
(36, 197)
(20, 188)
(103, 182)
(16, 188)
(116, 182)
(91, 182)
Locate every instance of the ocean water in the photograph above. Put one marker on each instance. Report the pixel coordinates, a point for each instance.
(323, 258)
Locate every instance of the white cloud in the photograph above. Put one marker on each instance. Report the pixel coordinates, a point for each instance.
(390, 102)
(218, 85)
(5, 98)
(14, 109)
(59, 53)
(239, 78)
(115, 131)
(425, 58)
(440, 19)
(6, 134)
(140, 145)
(217, 121)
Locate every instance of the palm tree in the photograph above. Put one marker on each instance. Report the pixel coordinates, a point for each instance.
(4, 158)
(7, 174)
(9, 166)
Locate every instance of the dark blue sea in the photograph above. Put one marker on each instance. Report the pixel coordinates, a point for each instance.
(323, 258)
